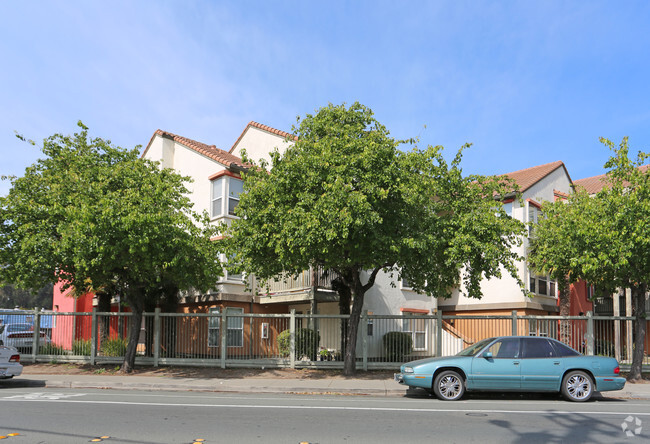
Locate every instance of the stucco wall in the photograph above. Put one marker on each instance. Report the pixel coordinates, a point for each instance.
(259, 144)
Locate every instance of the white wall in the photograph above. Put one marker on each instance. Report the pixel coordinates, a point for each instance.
(506, 290)
(259, 144)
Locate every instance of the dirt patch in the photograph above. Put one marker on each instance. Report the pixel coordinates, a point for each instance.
(198, 372)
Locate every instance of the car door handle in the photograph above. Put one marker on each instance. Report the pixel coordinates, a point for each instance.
(516, 363)
(556, 362)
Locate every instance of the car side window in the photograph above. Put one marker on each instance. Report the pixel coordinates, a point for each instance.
(537, 348)
(505, 348)
(564, 350)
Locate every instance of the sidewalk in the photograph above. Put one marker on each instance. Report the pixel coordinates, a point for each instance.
(348, 386)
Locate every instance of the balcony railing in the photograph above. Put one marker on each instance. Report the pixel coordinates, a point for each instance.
(304, 281)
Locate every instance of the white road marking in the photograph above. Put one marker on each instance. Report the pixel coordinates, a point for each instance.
(304, 407)
(46, 396)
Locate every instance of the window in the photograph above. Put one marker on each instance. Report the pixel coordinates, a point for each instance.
(564, 350)
(222, 186)
(507, 207)
(231, 276)
(213, 328)
(505, 348)
(542, 285)
(417, 328)
(217, 196)
(534, 214)
(537, 348)
(234, 332)
(406, 283)
(235, 189)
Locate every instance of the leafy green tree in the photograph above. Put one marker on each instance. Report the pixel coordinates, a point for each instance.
(344, 198)
(12, 297)
(100, 218)
(604, 239)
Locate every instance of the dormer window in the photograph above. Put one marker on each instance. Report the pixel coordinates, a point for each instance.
(225, 195)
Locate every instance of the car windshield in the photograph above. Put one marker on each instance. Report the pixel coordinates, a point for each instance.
(18, 327)
(475, 348)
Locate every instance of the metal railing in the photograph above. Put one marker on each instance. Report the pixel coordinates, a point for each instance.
(235, 339)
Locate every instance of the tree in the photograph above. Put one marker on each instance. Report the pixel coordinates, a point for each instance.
(100, 218)
(12, 297)
(344, 198)
(604, 239)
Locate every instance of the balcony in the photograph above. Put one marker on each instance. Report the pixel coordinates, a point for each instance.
(312, 284)
(604, 306)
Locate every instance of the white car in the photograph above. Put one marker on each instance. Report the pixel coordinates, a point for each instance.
(10, 365)
(20, 336)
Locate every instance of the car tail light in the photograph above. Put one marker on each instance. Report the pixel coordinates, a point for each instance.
(14, 358)
(617, 370)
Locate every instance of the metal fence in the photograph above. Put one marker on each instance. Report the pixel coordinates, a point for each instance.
(229, 338)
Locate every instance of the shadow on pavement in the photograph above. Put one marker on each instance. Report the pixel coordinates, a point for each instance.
(508, 396)
(21, 383)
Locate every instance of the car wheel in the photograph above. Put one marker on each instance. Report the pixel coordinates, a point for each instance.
(449, 386)
(577, 386)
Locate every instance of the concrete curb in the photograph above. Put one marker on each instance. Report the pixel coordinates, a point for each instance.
(354, 387)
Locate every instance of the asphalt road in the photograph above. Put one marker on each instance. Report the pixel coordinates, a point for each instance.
(40, 415)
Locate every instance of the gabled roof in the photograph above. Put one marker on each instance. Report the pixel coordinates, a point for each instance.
(266, 128)
(530, 176)
(210, 151)
(596, 183)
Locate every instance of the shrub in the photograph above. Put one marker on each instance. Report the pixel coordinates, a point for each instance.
(51, 349)
(307, 341)
(81, 347)
(114, 347)
(397, 345)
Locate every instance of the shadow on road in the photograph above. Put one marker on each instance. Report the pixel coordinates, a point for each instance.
(21, 383)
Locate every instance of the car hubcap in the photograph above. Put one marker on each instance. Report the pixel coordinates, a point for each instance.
(578, 387)
(449, 387)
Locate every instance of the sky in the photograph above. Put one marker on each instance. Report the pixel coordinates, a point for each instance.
(527, 83)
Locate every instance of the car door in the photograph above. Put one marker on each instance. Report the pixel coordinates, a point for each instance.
(497, 367)
(541, 368)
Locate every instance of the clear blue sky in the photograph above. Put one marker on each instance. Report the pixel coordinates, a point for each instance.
(526, 82)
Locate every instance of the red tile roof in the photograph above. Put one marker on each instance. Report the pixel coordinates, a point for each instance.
(596, 183)
(209, 151)
(530, 176)
(266, 128)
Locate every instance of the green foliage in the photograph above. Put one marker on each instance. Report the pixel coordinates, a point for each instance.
(81, 347)
(101, 218)
(114, 347)
(603, 239)
(307, 341)
(397, 345)
(345, 198)
(51, 349)
(11, 297)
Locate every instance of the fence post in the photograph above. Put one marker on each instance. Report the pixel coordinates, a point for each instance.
(292, 338)
(514, 323)
(36, 336)
(93, 336)
(223, 330)
(590, 333)
(364, 338)
(156, 337)
(438, 332)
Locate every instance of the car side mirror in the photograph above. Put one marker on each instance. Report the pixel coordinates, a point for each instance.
(487, 355)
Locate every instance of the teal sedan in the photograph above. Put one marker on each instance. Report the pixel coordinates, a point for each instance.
(514, 363)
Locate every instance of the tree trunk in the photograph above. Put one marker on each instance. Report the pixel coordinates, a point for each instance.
(350, 361)
(103, 306)
(638, 294)
(135, 301)
(345, 297)
(565, 309)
